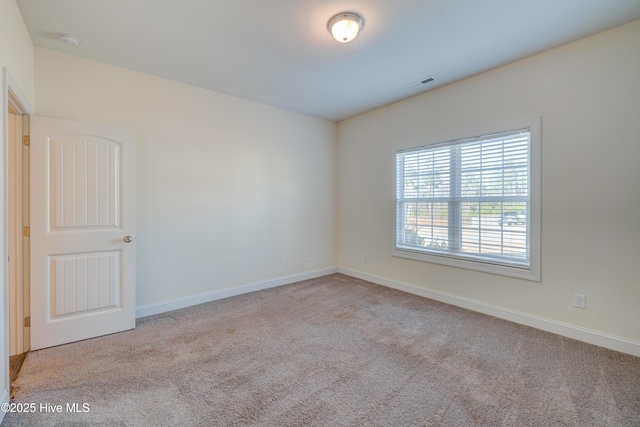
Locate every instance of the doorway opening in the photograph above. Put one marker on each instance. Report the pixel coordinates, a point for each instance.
(18, 234)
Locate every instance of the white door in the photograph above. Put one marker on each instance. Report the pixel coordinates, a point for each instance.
(82, 231)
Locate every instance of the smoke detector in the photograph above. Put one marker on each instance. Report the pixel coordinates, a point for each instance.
(69, 39)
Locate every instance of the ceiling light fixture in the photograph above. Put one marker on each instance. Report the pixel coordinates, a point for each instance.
(69, 39)
(345, 26)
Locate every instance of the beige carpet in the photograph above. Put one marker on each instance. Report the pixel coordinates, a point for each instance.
(333, 351)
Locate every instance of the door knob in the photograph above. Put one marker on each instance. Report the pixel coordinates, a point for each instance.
(127, 239)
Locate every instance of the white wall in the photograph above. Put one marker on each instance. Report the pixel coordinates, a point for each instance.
(16, 49)
(588, 95)
(225, 187)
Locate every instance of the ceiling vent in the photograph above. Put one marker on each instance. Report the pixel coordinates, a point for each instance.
(420, 83)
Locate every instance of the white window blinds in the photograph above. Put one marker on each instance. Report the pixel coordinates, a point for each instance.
(467, 199)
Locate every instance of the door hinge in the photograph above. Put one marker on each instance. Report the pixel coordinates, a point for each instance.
(27, 322)
(26, 231)
(26, 140)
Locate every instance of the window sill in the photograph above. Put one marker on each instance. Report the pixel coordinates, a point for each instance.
(531, 273)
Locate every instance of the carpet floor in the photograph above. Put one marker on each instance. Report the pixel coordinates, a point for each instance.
(332, 351)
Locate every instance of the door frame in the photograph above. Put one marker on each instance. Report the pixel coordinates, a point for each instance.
(9, 88)
(17, 236)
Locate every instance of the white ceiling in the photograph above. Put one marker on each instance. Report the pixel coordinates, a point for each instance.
(279, 52)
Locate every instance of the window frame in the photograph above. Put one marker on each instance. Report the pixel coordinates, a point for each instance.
(532, 272)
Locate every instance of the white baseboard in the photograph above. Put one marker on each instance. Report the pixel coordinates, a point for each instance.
(565, 329)
(162, 307)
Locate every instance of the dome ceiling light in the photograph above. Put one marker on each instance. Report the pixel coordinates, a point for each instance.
(345, 26)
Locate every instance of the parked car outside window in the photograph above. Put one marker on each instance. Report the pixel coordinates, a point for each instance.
(512, 218)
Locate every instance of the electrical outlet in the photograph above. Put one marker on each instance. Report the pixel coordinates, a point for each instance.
(365, 258)
(579, 300)
(305, 257)
(285, 260)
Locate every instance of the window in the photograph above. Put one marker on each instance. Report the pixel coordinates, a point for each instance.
(472, 202)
